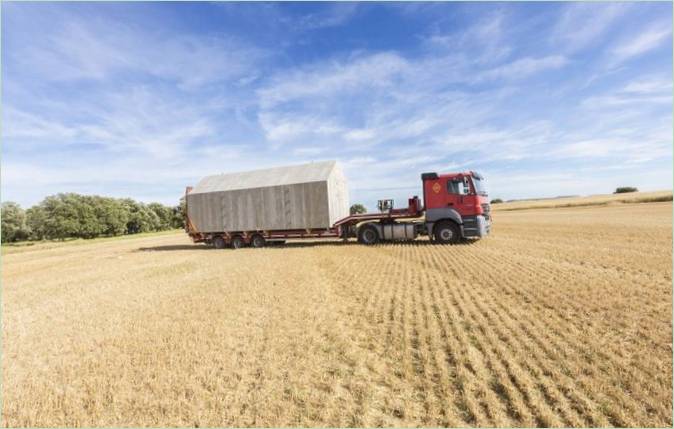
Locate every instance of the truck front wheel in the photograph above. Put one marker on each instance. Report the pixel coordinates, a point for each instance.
(446, 232)
(367, 234)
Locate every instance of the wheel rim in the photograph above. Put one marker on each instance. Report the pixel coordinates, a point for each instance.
(446, 234)
(257, 241)
(369, 236)
(236, 243)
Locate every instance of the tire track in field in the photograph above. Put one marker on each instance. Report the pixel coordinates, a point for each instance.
(403, 324)
(545, 270)
(523, 328)
(580, 404)
(524, 388)
(475, 408)
(468, 366)
(455, 300)
(419, 366)
(438, 376)
(611, 412)
(526, 393)
(573, 340)
(388, 324)
(475, 363)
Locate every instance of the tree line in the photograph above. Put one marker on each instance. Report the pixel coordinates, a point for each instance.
(70, 215)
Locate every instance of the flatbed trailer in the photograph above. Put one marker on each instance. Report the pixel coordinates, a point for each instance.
(454, 207)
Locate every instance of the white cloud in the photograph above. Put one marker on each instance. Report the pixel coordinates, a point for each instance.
(323, 80)
(583, 24)
(282, 128)
(524, 67)
(18, 124)
(605, 101)
(135, 122)
(334, 15)
(649, 85)
(100, 50)
(643, 42)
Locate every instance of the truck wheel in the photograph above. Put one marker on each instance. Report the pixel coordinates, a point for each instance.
(258, 241)
(219, 243)
(237, 242)
(367, 234)
(447, 232)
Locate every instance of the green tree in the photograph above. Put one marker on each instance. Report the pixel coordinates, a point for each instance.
(625, 189)
(179, 214)
(112, 215)
(14, 226)
(36, 218)
(496, 201)
(141, 218)
(164, 214)
(88, 211)
(61, 216)
(357, 209)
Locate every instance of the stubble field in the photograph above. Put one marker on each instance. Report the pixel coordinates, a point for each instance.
(563, 317)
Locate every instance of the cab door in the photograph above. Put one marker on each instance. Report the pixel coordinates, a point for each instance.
(459, 194)
(454, 193)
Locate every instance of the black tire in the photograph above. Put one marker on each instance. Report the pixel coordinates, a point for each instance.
(368, 235)
(237, 242)
(447, 232)
(257, 241)
(219, 243)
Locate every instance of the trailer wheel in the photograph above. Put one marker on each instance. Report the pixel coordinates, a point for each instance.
(219, 243)
(367, 234)
(237, 242)
(258, 241)
(446, 232)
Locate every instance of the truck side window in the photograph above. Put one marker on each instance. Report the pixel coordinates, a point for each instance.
(455, 187)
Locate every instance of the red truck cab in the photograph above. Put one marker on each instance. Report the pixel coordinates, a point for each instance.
(456, 204)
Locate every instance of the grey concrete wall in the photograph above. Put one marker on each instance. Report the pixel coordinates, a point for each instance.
(338, 195)
(294, 206)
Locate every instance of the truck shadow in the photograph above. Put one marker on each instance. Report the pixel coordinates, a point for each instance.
(412, 243)
(174, 247)
(292, 245)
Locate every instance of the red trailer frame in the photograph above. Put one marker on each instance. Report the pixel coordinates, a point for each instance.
(342, 228)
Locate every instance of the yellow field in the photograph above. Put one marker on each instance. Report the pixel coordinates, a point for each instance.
(595, 200)
(561, 318)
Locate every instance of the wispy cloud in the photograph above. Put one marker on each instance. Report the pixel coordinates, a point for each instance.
(645, 41)
(485, 39)
(584, 24)
(334, 14)
(524, 67)
(104, 50)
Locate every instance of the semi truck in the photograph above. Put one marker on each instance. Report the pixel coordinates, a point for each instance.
(310, 202)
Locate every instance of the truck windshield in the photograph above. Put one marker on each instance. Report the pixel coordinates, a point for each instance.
(480, 188)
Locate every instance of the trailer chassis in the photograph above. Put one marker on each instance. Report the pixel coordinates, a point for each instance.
(344, 228)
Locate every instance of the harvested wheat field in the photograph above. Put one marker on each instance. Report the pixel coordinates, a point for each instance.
(595, 200)
(563, 317)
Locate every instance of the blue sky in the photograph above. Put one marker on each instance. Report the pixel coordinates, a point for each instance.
(140, 99)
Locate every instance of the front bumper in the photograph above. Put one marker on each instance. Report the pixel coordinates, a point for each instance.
(476, 226)
(483, 226)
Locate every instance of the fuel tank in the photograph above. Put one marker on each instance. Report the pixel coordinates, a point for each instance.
(398, 231)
